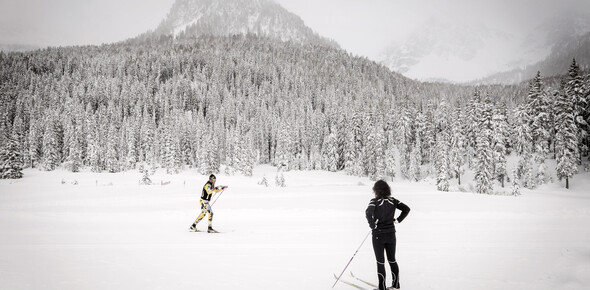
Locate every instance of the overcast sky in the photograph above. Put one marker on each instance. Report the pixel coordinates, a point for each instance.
(363, 27)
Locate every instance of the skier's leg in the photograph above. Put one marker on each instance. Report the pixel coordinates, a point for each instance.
(210, 218)
(390, 250)
(201, 216)
(378, 247)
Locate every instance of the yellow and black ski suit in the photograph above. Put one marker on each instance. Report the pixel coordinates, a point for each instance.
(208, 191)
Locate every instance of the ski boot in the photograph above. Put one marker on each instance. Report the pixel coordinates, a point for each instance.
(211, 230)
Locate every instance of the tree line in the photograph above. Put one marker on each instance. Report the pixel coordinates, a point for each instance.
(240, 100)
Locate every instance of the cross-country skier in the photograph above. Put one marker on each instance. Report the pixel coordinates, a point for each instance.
(208, 190)
(381, 217)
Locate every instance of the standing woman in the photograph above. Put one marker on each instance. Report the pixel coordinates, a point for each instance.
(381, 217)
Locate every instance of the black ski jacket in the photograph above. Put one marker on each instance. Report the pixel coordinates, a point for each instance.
(381, 214)
(208, 191)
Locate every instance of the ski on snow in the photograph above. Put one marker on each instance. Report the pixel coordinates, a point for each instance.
(209, 232)
(357, 286)
(361, 280)
(351, 284)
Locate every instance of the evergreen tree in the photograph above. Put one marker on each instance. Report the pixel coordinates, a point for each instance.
(11, 159)
(566, 137)
(471, 127)
(415, 170)
(405, 140)
(523, 146)
(390, 165)
(539, 113)
(112, 151)
(574, 89)
(331, 151)
(515, 183)
(51, 151)
(457, 146)
(499, 137)
(284, 156)
(35, 140)
(247, 156)
(92, 139)
(375, 164)
(484, 174)
(441, 162)
(354, 155)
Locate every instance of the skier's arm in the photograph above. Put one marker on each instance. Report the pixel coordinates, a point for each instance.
(220, 188)
(370, 213)
(209, 190)
(405, 210)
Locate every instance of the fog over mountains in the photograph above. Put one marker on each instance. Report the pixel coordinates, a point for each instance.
(448, 50)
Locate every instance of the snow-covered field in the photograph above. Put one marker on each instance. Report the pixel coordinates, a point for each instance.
(109, 232)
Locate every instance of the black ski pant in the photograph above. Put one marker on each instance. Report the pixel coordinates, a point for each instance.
(385, 243)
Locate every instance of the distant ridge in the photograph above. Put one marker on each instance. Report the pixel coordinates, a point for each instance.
(229, 17)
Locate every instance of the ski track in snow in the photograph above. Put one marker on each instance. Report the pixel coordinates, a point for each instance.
(109, 232)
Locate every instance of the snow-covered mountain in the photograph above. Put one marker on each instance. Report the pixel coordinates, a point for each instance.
(445, 49)
(227, 17)
(553, 44)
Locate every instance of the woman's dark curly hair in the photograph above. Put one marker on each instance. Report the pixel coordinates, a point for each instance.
(382, 189)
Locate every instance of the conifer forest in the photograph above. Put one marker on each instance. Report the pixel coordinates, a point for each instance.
(229, 103)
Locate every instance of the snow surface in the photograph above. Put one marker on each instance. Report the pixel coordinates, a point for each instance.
(109, 232)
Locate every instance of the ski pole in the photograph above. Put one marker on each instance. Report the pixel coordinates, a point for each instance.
(217, 197)
(338, 279)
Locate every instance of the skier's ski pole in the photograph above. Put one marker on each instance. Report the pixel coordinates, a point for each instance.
(351, 258)
(217, 197)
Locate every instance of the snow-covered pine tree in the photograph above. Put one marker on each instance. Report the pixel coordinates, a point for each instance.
(35, 140)
(515, 183)
(11, 159)
(423, 132)
(247, 156)
(92, 139)
(331, 150)
(470, 127)
(284, 156)
(442, 146)
(404, 134)
(112, 151)
(523, 146)
(234, 149)
(539, 112)
(51, 150)
(574, 89)
(566, 137)
(458, 145)
(375, 162)
(415, 166)
(147, 138)
(354, 146)
(390, 165)
(441, 161)
(484, 169)
(132, 144)
(210, 160)
(499, 137)
(75, 155)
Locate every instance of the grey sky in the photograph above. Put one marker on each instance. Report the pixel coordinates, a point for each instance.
(361, 26)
